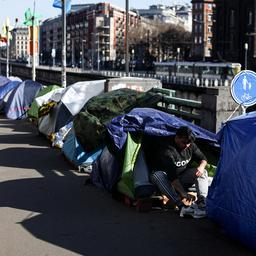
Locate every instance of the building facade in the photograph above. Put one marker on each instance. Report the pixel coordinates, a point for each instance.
(95, 36)
(19, 44)
(177, 15)
(235, 32)
(202, 29)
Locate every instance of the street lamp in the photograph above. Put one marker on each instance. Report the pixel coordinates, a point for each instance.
(83, 66)
(64, 42)
(245, 55)
(133, 60)
(178, 58)
(127, 38)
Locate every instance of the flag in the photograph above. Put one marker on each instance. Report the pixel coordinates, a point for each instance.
(58, 4)
(6, 26)
(31, 19)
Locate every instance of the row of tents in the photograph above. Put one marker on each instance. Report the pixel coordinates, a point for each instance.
(103, 130)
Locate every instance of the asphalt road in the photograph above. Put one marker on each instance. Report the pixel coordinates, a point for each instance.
(45, 209)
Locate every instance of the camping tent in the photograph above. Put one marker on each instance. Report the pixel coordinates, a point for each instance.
(21, 98)
(232, 196)
(70, 101)
(4, 89)
(4, 80)
(138, 121)
(75, 153)
(33, 111)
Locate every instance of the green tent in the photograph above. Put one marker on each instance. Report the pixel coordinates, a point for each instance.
(33, 111)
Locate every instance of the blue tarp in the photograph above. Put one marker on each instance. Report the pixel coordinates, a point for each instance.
(21, 98)
(152, 122)
(232, 196)
(7, 88)
(149, 121)
(4, 80)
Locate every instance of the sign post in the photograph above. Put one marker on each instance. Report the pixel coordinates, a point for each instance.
(243, 88)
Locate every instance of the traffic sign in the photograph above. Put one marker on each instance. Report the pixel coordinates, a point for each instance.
(243, 88)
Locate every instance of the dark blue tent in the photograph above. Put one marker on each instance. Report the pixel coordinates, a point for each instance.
(231, 200)
(7, 88)
(152, 122)
(21, 98)
(4, 80)
(149, 121)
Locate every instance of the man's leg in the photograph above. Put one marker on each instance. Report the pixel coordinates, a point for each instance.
(160, 179)
(188, 178)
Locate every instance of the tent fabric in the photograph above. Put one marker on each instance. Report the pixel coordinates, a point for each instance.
(70, 101)
(74, 96)
(33, 111)
(58, 117)
(152, 122)
(7, 88)
(126, 185)
(90, 123)
(231, 200)
(15, 78)
(21, 98)
(74, 152)
(106, 171)
(134, 180)
(4, 80)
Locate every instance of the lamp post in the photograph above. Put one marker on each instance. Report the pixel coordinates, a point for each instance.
(245, 55)
(7, 50)
(98, 52)
(103, 59)
(178, 58)
(127, 38)
(64, 39)
(82, 60)
(133, 60)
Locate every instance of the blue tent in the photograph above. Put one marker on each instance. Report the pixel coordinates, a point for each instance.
(151, 122)
(75, 153)
(7, 88)
(106, 171)
(21, 98)
(231, 200)
(4, 80)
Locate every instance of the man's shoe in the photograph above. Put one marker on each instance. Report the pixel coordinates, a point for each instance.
(187, 211)
(193, 211)
(199, 213)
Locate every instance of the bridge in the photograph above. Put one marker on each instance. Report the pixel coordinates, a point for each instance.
(206, 103)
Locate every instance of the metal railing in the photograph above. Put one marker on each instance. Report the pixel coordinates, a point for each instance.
(184, 108)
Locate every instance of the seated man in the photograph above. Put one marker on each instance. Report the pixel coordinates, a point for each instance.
(168, 159)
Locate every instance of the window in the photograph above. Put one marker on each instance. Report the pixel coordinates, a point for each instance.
(209, 29)
(209, 17)
(232, 18)
(250, 18)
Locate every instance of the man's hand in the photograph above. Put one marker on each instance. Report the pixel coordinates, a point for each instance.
(199, 172)
(200, 168)
(188, 199)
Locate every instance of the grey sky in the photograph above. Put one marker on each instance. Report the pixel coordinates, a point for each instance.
(16, 8)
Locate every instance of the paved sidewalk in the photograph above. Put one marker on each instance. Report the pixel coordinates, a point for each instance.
(45, 209)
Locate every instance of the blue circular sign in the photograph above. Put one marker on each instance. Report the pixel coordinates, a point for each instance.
(243, 88)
